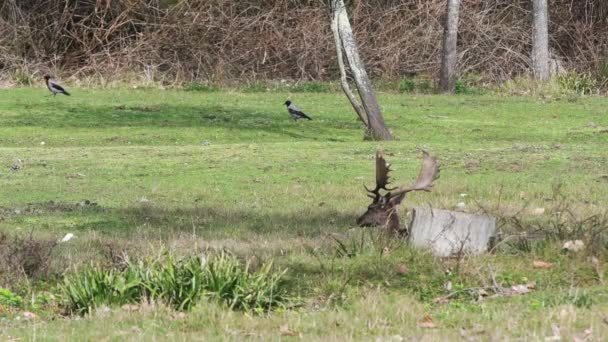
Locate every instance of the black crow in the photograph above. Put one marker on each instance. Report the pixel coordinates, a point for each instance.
(295, 112)
(54, 87)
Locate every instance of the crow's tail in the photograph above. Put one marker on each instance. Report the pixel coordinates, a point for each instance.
(66, 93)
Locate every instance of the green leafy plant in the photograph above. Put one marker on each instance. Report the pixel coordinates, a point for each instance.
(8, 298)
(580, 299)
(200, 87)
(255, 87)
(311, 87)
(175, 282)
(93, 287)
(350, 248)
(23, 77)
(407, 85)
(580, 83)
(368, 242)
(180, 283)
(425, 87)
(460, 87)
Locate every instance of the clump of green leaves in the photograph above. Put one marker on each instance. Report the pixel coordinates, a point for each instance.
(8, 298)
(407, 85)
(179, 283)
(580, 83)
(312, 87)
(93, 287)
(372, 241)
(23, 77)
(425, 87)
(200, 87)
(175, 282)
(460, 87)
(254, 87)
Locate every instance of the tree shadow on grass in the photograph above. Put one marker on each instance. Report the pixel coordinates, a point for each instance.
(204, 221)
(173, 116)
(211, 221)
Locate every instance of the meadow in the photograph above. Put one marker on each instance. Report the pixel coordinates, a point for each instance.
(138, 171)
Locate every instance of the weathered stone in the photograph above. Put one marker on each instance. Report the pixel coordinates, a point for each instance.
(448, 232)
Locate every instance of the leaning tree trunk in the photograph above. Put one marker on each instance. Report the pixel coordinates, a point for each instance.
(449, 59)
(369, 110)
(540, 39)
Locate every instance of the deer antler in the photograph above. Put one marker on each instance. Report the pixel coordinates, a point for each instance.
(429, 172)
(382, 177)
(383, 210)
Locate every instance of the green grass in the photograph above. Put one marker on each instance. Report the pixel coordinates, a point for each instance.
(199, 170)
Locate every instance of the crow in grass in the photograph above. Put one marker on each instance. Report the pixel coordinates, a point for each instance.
(295, 112)
(54, 87)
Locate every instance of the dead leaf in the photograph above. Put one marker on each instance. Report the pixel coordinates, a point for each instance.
(284, 329)
(542, 264)
(427, 322)
(180, 315)
(516, 167)
(130, 307)
(519, 289)
(538, 211)
(29, 315)
(587, 334)
(401, 269)
(441, 300)
(574, 246)
(557, 336)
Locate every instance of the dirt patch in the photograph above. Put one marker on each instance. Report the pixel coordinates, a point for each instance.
(49, 207)
(117, 139)
(511, 167)
(472, 166)
(139, 108)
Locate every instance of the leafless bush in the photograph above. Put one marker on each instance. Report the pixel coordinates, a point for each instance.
(173, 41)
(24, 258)
(560, 221)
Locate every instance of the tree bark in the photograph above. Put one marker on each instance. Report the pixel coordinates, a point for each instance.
(376, 127)
(343, 79)
(449, 59)
(448, 233)
(540, 39)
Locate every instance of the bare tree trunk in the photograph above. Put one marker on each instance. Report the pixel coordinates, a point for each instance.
(343, 79)
(540, 39)
(345, 42)
(449, 59)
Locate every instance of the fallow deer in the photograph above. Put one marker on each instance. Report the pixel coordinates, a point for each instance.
(382, 212)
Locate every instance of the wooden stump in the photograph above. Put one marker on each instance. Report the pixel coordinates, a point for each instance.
(449, 233)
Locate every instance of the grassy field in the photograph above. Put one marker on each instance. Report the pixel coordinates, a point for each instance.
(140, 170)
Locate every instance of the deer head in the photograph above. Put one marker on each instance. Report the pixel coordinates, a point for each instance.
(382, 212)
